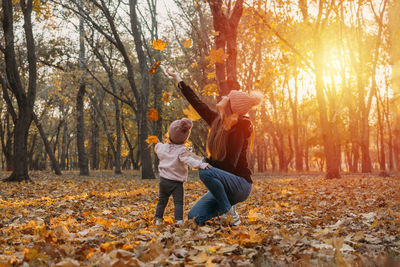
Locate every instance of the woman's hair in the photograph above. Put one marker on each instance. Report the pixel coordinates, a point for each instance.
(218, 136)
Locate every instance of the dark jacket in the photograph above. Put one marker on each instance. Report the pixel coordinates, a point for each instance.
(235, 161)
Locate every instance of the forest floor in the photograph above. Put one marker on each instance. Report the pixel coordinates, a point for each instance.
(107, 220)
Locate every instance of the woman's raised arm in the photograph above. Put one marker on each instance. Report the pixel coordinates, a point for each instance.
(202, 108)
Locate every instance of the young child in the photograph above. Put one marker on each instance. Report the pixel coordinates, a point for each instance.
(174, 159)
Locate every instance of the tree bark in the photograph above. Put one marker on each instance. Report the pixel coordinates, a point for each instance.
(49, 151)
(25, 100)
(226, 23)
(80, 121)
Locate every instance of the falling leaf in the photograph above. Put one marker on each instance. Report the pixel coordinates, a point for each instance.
(159, 45)
(191, 113)
(217, 56)
(187, 43)
(194, 65)
(166, 96)
(151, 140)
(154, 67)
(153, 114)
(215, 33)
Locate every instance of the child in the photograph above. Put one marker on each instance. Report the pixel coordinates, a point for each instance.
(174, 159)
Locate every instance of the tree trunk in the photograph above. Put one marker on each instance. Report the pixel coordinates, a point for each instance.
(49, 151)
(20, 173)
(25, 98)
(226, 23)
(141, 116)
(80, 121)
(328, 136)
(95, 142)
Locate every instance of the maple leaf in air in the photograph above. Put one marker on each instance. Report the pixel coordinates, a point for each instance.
(152, 139)
(191, 113)
(187, 43)
(159, 45)
(154, 67)
(153, 114)
(217, 56)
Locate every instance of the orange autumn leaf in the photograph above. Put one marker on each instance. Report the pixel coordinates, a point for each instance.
(187, 43)
(165, 96)
(194, 65)
(159, 45)
(152, 139)
(191, 113)
(153, 114)
(217, 56)
(154, 67)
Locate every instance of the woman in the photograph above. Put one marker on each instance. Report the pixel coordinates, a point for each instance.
(229, 180)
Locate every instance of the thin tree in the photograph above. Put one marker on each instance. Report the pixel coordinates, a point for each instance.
(83, 161)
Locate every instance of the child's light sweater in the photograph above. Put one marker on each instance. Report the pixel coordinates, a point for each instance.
(174, 160)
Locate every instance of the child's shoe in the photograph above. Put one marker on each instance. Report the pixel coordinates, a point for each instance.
(158, 221)
(179, 222)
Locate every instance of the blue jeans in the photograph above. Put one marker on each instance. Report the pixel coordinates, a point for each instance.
(225, 190)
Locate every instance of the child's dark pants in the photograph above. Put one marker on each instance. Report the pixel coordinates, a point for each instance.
(167, 188)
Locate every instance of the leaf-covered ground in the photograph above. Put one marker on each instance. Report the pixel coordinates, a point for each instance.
(107, 220)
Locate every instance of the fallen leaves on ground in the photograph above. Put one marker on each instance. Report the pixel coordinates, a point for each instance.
(107, 220)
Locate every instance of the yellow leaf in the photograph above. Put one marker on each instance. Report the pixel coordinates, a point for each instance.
(217, 56)
(159, 45)
(151, 140)
(89, 255)
(122, 224)
(191, 113)
(210, 89)
(194, 65)
(252, 216)
(165, 96)
(169, 220)
(127, 247)
(29, 254)
(154, 67)
(107, 246)
(211, 75)
(153, 114)
(187, 43)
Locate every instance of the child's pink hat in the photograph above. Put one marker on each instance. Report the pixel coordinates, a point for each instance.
(242, 102)
(179, 130)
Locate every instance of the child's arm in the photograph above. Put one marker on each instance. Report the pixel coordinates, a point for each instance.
(193, 161)
(155, 147)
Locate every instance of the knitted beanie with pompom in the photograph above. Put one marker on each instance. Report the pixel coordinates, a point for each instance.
(179, 130)
(242, 102)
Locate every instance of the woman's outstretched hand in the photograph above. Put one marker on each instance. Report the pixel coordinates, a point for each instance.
(174, 74)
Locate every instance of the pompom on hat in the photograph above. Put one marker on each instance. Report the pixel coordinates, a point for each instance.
(179, 130)
(242, 102)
